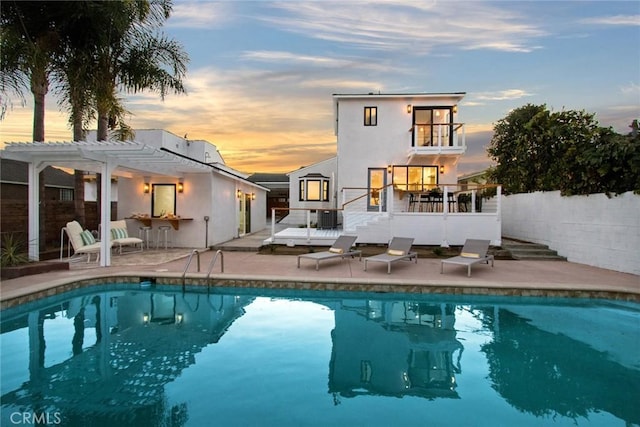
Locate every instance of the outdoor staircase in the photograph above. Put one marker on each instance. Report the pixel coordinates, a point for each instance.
(530, 251)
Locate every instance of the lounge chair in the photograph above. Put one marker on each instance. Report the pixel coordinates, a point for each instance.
(399, 249)
(473, 252)
(120, 236)
(341, 248)
(82, 241)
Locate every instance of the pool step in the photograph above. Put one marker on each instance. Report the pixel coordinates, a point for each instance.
(531, 251)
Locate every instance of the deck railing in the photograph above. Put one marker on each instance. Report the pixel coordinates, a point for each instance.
(444, 136)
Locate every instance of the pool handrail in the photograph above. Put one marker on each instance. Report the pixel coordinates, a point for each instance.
(212, 264)
(184, 273)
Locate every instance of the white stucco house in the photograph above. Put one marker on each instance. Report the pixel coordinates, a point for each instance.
(162, 179)
(394, 174)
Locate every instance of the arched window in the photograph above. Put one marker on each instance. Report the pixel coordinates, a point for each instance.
(313, 187)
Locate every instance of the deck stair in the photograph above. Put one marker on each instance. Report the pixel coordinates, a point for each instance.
(530, 251)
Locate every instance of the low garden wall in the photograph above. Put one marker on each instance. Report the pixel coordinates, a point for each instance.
(595, 230)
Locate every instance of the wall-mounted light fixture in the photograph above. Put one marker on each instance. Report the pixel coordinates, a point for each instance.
(441, 168)
(253, 196)
(408, 108)
(145, 318)
(239, 194)
(389, 168)
(147, 186)
(455, 109)
(179, 318)
(180, 186)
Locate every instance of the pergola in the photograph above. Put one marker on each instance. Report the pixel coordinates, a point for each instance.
(124, 159)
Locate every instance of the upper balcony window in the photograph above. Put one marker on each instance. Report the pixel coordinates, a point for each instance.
(432, 126)
(370, 116)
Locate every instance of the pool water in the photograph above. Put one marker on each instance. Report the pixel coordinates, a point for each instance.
(126, 356)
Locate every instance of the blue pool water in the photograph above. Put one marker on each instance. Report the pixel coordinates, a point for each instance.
(124, 356)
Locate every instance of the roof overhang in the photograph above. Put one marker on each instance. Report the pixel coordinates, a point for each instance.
(128, 158)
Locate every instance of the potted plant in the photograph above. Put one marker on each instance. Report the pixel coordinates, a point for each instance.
(14, 261)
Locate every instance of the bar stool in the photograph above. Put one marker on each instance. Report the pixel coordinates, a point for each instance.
(145, 234)
(163, 233)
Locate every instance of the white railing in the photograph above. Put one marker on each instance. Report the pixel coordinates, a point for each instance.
(445, 136)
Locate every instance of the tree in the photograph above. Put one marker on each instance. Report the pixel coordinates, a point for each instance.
(539, 150)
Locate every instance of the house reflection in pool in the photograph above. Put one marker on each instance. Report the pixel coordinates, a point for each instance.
(394, 348)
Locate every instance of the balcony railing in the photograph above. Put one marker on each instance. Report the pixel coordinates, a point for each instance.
(438, 138)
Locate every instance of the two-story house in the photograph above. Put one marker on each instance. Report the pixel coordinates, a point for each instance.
(396, 175)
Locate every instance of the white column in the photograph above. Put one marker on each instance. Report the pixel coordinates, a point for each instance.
(34, 213)
(105, 214)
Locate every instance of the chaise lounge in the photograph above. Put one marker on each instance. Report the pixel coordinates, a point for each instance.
(120, 236)
(474, 251)
(82, 241)
(341, 248)
(399, 249)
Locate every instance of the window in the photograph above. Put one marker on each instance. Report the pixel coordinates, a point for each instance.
(66, 194)
(313, 190)
(432, 126)
(313, 187)
(415, 178)
(370, 116)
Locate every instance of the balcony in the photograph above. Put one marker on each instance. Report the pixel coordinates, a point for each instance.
(437, 139)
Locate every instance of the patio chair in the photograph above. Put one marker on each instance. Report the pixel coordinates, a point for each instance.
(399, 249)
(82, 241)
(474, 251)
(341, 248)
(120, 236)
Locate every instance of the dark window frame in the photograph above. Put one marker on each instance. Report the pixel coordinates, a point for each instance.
(406, 183)
(369, 118)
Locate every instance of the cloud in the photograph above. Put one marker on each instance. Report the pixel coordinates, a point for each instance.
(503, 95)
(631, 89)
(616, 20)
(199, 14)
(415, 27)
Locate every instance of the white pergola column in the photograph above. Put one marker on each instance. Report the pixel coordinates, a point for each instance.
(33, 180)
(105, 213)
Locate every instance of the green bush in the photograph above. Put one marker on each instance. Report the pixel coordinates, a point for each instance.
(13, 251)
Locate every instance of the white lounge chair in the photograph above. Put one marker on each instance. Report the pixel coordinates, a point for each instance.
(341, 248)
(82, 241)
(399, 249)
(120, 236)
(474, 251)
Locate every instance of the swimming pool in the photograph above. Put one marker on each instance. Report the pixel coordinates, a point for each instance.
(122, 355)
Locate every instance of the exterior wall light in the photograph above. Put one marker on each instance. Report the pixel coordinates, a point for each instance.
(253, 196)
(239, 193)
(441, 169)
(408, 108)
(145, 318)
(455, 109)
(179, 318)
(389, 168)
(181, 186)
(147, 186)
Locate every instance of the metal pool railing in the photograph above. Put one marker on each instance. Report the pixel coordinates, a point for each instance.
(209, 270)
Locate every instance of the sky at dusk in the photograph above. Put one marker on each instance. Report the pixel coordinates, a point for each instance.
(261, 74)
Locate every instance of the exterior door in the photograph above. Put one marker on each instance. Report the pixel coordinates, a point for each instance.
(244, 214)
(376, 183)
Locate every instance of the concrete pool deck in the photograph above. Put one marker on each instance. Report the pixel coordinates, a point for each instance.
(251, 269)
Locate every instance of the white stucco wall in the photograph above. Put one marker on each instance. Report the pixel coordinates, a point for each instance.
(326, 168)
(205, 194)
(361, 147)
(594, 230)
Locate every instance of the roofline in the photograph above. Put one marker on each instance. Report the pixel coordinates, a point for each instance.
(399, 95)
(222, 171)
(309, 166)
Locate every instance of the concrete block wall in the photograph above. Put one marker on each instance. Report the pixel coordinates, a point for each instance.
(594, 230)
